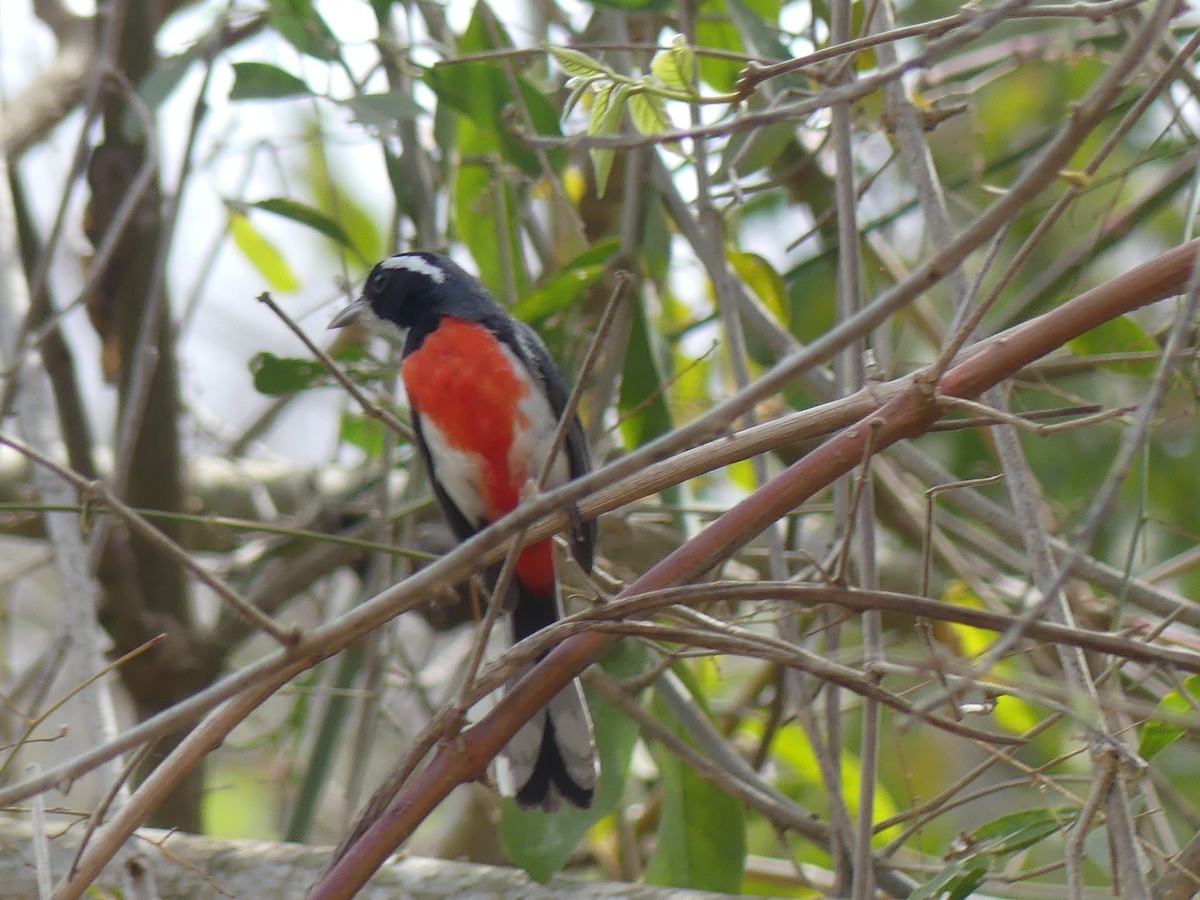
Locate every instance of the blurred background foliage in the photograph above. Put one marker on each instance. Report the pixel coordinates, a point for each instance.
(302, 141)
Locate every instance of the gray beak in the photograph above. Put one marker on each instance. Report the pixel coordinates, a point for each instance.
(358, 312)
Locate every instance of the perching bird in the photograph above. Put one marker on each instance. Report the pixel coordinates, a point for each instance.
(486, 399)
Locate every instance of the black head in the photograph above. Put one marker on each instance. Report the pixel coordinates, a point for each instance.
(414, 290)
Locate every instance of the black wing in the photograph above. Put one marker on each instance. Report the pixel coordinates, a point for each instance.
(462, 527)
(527, 344)
(459, 523)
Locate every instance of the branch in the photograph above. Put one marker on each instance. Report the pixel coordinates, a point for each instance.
(188, 865)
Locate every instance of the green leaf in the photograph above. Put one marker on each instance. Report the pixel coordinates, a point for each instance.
(577, 63)
(809, 285)
(1119, 335)
(1022, 829)
(1158, 734)
(483, 93)
(158, 84)
(539, 842)
(701, 840)
(480, 91)
(675, 66)
(263, 81)
(275, 375)
(262, 254)
(559, 293)
(568, 284)
(543, 116)
(1008, 834)
(602, 160)
(967, 884)
(714, 31)
(365, 433)
(761, 278)
(579, 87)
(484, 32)
(756, 22)
(649, 113)
(751, 151)
(484, 205)
(384, 110)
(939, 883)
(306, 215)
(608, 104)
(302, 26)
(799, 774)
(642, 402)
(486, 216)
(361, 225)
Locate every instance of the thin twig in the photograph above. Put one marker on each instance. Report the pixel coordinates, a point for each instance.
(45, 714)
(370, 409)
(993, 415)
(100, 493)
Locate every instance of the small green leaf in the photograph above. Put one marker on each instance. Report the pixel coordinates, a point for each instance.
(642, 402)
(608, 104)
(1022, 829)
(1158, 734)
(231, 786)
(761, 278)
(1120, 335)
(939, 883)
(568, 284)
(602, 160)
(760, 37)
(275, 375)
(544, 116)
(649, 113)
(383, 110)
(579, 87)
(559, 293)
(675, 66)
(262, 254)
(306, 215)
(1010, 833)
(714, 31)
(759, 149)
(302, 26)
(158, 84)
(576, 63)
(601, 112)
(482, 92)
(966, 885)
(263, 81)
(365, 433)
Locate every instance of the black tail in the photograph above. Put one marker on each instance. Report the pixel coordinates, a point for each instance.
(553, 757)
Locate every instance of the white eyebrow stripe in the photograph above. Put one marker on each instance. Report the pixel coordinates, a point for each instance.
(415, 264)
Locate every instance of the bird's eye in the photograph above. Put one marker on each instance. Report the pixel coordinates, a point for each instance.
(378, 282)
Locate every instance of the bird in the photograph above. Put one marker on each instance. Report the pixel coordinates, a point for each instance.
(486, 399)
